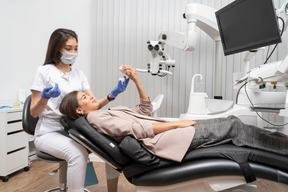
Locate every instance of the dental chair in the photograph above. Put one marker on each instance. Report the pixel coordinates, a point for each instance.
(224, 167)
(29, 124)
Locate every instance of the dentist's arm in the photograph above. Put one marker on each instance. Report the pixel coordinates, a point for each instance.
(38, 103)
(39, 99)
(121, 87)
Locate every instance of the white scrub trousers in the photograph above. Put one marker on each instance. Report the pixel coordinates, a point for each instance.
(60, 145)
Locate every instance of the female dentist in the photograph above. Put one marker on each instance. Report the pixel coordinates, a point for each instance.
(51, 83)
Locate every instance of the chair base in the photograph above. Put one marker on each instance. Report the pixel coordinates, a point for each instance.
(59, 189)
(55, 189)
(207, 184)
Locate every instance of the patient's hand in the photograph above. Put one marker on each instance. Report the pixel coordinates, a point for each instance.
(186, 123)
(130, 72)
(161, 127)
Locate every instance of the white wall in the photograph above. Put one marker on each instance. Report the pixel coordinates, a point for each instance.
(26, 26)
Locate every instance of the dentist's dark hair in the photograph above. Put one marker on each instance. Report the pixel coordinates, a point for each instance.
(56, 42)
(69, 105)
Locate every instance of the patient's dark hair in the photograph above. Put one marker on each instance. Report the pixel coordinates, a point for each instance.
(69, 105)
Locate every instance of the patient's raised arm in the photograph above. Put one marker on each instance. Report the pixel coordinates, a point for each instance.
(132, 74)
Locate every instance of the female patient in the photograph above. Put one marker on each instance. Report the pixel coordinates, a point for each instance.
(169, 140)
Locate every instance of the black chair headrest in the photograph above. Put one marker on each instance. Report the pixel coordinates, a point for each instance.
(28, 122)
(65, 122)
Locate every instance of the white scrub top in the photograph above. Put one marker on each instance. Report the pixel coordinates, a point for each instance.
(48, 75)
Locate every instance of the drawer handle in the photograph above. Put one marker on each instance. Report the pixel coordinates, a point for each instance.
(15, 150)
(14, 132)
(15, 121)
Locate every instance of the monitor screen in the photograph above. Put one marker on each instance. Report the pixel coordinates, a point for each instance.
(247, 24)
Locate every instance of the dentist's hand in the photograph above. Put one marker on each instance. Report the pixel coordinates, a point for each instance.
(120, 87)
(49, 92)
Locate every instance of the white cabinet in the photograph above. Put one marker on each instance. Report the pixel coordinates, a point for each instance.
(14, 146)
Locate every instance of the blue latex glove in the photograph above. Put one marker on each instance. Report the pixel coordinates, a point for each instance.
(120, 87)
(49, 92)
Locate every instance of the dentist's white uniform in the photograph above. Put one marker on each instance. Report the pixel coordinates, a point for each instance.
(50, 136)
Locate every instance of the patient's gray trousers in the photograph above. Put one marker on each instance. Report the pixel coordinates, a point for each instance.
(218, 131)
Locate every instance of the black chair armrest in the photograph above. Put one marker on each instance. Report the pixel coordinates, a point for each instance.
(131, 147)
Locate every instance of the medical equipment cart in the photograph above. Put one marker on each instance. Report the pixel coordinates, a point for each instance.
(14, 146)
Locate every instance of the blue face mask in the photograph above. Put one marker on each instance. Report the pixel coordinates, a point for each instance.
(68, 58)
